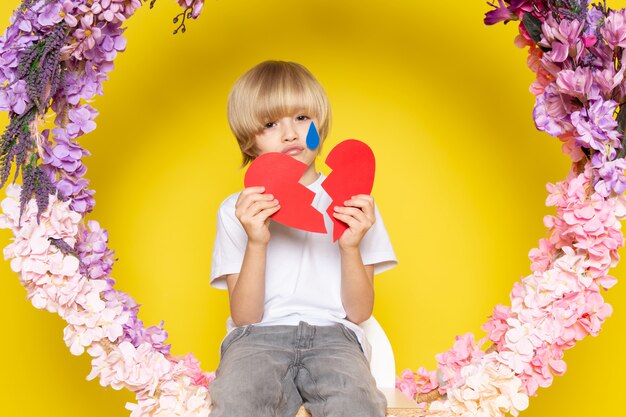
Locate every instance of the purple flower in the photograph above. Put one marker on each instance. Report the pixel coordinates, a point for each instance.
(83, 202)
(551, 112)
(96, 257)
(12, 43)
(86, 36)
(14, 97)
(609, 175)
(69, 186)
(50, 15)
(84, 86)
(5, 100)
(81, 120)
(596, 127)
(112, 42)
(134, 330)
(25, 26)
(109, 44)
(502, 13)
(594, 18)
(65, 155)
(67, 13)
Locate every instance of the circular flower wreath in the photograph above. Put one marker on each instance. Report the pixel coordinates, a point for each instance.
(56, 54)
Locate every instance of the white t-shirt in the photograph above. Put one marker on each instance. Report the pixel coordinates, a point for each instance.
(303, 269)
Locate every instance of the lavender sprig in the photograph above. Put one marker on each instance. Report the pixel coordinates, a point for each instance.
(41, 68)
(574, 9)
(15, 144)
(37, 182)
(26, 4)
(64, 247)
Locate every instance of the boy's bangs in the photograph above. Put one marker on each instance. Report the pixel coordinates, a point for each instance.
(286, 98)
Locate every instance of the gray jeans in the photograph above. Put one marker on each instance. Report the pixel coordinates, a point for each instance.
(269, 371)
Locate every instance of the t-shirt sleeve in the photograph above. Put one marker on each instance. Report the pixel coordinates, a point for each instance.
(376, 248)
(229, 246)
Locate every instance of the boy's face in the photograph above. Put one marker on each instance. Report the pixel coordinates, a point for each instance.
(288, 135)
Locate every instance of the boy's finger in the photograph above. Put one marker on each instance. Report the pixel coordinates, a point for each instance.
(255, 189)
(364, 196)
(356, 213)
(351, 211)
(349, 220)
(266, 213)
(365, 204)
(258, 206)
(247, 200)
(250, 190)
(359, 201)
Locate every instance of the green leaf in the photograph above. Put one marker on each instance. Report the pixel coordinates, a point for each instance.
(532, 26)
(621, 124)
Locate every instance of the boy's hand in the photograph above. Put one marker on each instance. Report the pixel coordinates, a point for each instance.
(358, 214)
(253, 209)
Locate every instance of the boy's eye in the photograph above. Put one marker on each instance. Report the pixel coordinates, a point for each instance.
(269, 125)
(302, 117)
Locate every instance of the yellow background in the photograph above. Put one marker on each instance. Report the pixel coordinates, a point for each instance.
(442, 100)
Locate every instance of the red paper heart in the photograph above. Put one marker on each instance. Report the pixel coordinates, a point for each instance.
(353, 165)
(280, 175)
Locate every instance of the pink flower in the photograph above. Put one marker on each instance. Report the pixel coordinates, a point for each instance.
(614, 29)
(575, 83)
(536, 64)
(464, 352)
(497, 325)
(489, 389)
(77, 338)
(406, 384)
(411, 383)
(427, 381)
(137, 369)
(192, 369)
(178, 397)
(570, 147)
(543, 256)
(45, 272)
(596, 312)
(564, 39)
(608, 79)
(540, 370)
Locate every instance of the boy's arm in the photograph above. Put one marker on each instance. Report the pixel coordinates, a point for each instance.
(357, 286)
(247, 288)
(357, 280)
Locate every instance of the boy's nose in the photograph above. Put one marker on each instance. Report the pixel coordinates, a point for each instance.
(290, 133)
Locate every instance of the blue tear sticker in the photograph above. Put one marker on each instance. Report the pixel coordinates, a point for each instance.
(312, 137)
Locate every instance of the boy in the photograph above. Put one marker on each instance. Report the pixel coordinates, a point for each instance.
(296, 298)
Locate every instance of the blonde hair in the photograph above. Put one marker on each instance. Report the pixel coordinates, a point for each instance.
(269, 91)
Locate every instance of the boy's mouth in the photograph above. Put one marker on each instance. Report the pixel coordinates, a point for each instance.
(293, 150)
